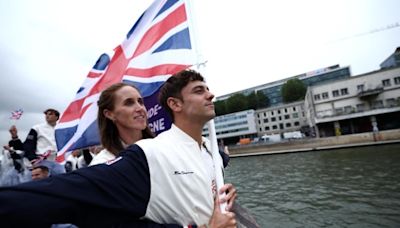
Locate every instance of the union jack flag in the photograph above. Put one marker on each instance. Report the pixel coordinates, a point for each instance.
(15, 115)
(157, 46)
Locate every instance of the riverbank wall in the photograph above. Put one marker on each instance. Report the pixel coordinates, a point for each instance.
(315, 144)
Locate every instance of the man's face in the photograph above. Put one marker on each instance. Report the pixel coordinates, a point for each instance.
(51, 117)
(197, 102)
(39, 173)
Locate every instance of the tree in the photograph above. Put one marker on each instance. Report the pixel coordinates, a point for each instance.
(293, 90)
(220, 108)
(236, 103)
(252, 100)
(262, 100)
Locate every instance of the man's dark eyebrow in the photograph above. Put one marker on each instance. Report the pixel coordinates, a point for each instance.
(201, 87)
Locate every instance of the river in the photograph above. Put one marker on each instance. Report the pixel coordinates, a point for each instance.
(353, 187)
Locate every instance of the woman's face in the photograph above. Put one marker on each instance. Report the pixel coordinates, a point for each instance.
(129, 111)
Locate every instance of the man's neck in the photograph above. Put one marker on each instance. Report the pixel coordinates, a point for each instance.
(194, 130)
(52, 123)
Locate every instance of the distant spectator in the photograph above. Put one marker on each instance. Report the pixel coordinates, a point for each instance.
(40, 172)
(71, 163)
(15, 148)
(40, 141)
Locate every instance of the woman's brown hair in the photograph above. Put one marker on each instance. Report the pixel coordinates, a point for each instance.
(109, 135)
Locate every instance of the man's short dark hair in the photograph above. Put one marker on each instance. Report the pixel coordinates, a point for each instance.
(174, 85)
(53, 111)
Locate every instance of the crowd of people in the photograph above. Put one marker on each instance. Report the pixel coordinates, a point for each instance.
(163, 181)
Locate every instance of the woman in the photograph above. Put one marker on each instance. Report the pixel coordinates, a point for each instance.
(122, 120)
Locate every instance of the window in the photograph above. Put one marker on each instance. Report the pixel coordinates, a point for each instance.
(258, 115)
(295, 115)
(325, 95)
(266, 128)
(391, 102)
(279, 111)
(296, 123)
(397, 80)
(272, 113)
(288, 124)
(280, 117)
(386, 82)
(285, 110)
(287, 117)
(335, 93)
(338, 111)
(360, 88)
(265, 114)
(360, 107)
(377, 104)
(274, 127)
(294, 108)
(317, 97)
(273, 119)
(266, 120)
(259, 122)
(344, 91)
(281, 125)
(348, 109)
(260, 129)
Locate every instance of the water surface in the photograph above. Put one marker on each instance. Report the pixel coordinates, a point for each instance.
(355, 187)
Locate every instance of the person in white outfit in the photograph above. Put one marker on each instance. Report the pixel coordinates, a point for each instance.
(41, 141)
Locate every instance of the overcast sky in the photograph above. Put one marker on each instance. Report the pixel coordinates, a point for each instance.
(48, 46)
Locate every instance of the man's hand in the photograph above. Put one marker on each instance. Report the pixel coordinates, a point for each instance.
(6, 147)
(219, 219)
(230, 196)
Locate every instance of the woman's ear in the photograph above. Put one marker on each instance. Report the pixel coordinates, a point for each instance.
(108, 114)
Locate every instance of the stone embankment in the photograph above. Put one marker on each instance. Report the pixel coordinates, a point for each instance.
(312, 144)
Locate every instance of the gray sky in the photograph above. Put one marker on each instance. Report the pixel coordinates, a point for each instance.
(48, 46)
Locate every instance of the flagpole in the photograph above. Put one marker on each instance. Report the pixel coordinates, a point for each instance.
(201, 67)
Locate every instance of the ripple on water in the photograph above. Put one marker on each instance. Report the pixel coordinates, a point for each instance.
(357, 187)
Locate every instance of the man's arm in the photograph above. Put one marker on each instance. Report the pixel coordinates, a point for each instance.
(104, 194)
(30, 145)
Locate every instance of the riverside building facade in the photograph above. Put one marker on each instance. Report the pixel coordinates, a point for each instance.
(280, 119)
(363, 103)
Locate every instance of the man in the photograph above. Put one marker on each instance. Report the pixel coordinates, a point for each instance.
(15, 148)
(40, 172)
(168, 179)
(41, 141)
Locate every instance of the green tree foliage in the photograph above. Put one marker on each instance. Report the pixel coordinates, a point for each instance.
(220, 108)
(262, 100)
(293, 90)
(252, 101)
(236, 103)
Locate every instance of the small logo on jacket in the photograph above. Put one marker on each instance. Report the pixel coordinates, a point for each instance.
(182, 172)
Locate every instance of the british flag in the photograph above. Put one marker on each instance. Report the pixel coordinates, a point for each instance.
(15, 115)
(157, 46)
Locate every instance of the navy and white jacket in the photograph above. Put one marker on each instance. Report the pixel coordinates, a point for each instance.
(163, 179)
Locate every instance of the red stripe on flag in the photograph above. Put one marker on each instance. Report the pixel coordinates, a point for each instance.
(73, 111)
(114, 73)
(94, 74)
(159, 29)
(163, 69)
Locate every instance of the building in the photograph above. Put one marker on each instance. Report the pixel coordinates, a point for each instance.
(273, 89)
(363, 103)
(230, 128)
(280, 119)
(392, 61)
